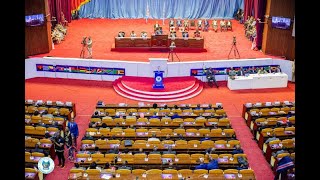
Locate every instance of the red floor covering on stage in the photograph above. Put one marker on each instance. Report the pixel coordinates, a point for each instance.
(86, 94)
(103, 31)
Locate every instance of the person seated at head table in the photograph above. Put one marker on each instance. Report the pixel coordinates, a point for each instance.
(156, 26)
(144, 34)
(215, 25)
(229, 24)
(121, 34)
(171, 23)
(199, 24)
(185, 34)
(206, 25)
(173, 34)
(158, 31)
(179, 23)
(223, 25)
(133, 34)
(186, 23)
(240, 72)
(197, 34)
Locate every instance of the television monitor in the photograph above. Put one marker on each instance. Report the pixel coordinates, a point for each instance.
(34, 20)
(280, 22)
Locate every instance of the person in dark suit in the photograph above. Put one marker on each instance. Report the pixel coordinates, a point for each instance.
(238, 150)
(59, 143)
(73, 127)
(185, 34)
(169, 151)
(154, 105)
(175, 116)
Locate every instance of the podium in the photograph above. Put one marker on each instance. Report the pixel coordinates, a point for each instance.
(158, 80)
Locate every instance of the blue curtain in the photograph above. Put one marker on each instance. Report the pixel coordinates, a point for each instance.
(158, 9)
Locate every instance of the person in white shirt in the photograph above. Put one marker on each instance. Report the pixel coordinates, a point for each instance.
(133, 34)
(215, 25)
(223, 25)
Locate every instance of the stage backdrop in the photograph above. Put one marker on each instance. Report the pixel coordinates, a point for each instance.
(158, 9)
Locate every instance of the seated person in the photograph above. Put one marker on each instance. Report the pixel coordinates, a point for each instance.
(179, 23)
(238, 150)
(121, 34)
(87, 137)
(154, 115)
(213, 164)
(197, 34)
(175, 116)
(240, 72)
(144, 34)
(186, 24)
(229, 25)
(77, 166)
(199, 24)
(169, 151)
(158, 31)
(185, 34)
(133, 34)
(232, 73)
(173, 34)
(262, 71)
(215, 25)
(156, 26)
(115, 150)
(201, 165)
(249, 71)
(223, 25)
(206, 25)
(154, 151)
(171, 23)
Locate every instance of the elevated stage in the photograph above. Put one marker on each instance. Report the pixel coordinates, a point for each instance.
(103, 32)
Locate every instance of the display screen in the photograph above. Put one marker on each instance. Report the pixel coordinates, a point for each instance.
(281, 22)
(34, 20)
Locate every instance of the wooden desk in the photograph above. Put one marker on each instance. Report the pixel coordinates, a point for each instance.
(188, 43)
(159, 40)
(251, 118)
(132, 42)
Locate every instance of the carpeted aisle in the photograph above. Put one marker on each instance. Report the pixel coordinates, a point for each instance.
(103, 32)
(86, 93)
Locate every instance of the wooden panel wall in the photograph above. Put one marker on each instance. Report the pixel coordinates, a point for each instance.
(279, 42)
(37, 39)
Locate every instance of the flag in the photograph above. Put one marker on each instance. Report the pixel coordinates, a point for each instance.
(148, 11)
(39, 67)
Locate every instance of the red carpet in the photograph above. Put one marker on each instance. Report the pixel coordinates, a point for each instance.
(103, 32)
(140, 88)
(86, 93)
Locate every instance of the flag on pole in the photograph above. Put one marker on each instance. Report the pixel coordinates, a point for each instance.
(147, 12)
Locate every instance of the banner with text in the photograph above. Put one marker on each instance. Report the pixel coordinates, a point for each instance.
(81, 69)
(225, 70)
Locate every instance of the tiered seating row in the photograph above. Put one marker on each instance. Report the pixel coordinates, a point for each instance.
(147, 146)
(158, 174)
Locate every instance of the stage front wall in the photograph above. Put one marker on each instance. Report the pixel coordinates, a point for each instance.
(110, 70)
